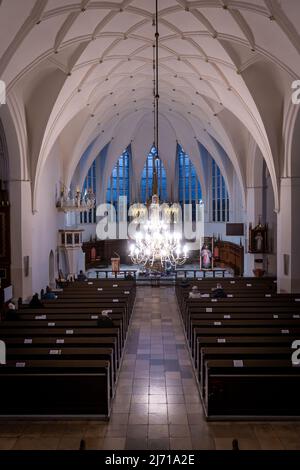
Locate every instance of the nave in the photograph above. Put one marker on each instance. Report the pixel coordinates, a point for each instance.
(157, 404)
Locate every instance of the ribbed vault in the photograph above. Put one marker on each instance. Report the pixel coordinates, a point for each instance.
(78, 71)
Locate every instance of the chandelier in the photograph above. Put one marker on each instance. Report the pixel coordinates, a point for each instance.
(158, 243)
(75, 201)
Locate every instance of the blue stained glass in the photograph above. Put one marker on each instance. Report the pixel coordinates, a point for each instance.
(118, 183)
(189, 185)
(147, 178)
(220, 200)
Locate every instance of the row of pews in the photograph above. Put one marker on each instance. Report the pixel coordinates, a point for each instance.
(63, 359)
(241, 348)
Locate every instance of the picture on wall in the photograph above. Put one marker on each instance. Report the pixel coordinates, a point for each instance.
(206, 253)
(258, 238)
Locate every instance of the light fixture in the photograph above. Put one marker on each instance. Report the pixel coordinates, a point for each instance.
(156, 247)
(75, 201)
(158, 243)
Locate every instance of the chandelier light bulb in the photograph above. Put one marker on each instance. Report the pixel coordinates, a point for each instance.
(157, 244)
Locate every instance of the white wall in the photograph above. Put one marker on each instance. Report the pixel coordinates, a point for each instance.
(46, 223)
(271, 219)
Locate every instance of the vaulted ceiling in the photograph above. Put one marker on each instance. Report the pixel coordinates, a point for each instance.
(78, 71)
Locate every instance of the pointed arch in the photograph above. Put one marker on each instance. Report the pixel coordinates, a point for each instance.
(147, 177)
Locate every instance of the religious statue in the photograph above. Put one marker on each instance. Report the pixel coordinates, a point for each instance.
(258, 241)
(258, 238)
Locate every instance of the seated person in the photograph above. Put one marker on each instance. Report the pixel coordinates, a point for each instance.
(11, 305)
(81, 276)
(9, 311)
(61, 281)
(195, 293)
(218, 292)
(129, 277)
(185, 283)
(49, 295)
(35, 302)
(105, 321)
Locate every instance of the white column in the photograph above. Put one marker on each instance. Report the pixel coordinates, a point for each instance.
(254, 200)
(21, 238)
(288, 236)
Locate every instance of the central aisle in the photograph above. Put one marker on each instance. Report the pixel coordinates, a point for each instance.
(157, 401)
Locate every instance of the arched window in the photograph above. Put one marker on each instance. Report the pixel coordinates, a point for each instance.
(89, 217)
(220, 198)
(147, 178)
(119, 181)
(189, 191)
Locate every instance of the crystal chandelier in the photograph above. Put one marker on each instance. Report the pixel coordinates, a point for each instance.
(158, 243)
(70, 201)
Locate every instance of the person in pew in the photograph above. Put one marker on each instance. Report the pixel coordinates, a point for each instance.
(185, 283)
(35, 302)
(49, 294)
(235, 444)
(81, 276)
(11, 305)
(129, 277)
(61, 281)
(11, 311)
(218, 292)
(105, 321)
(195, 293)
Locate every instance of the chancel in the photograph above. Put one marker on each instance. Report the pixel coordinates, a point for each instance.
(149, 225)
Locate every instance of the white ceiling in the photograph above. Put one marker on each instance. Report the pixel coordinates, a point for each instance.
(80, 70)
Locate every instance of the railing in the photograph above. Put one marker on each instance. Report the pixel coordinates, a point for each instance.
(178, 274)
(184, 273)
(115, 274)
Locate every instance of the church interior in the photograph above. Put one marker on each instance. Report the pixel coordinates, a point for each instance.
(149, 250)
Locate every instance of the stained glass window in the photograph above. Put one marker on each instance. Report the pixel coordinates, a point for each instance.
(147, 178)
(119, 181)
(189, 185)
(220, 198)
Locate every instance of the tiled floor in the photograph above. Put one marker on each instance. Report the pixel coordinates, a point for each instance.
(157, 403)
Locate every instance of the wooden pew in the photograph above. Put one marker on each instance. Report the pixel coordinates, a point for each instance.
(246, 331)
(284, 325)
(55, 388)
(61, 347)
(69, 342)
(257, 390)
(62, 333)
(243, 341)
(72, 354)
(239, 353)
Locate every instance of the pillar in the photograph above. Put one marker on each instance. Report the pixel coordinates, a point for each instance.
(288, 236)
(21, 238)
(255, 195)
